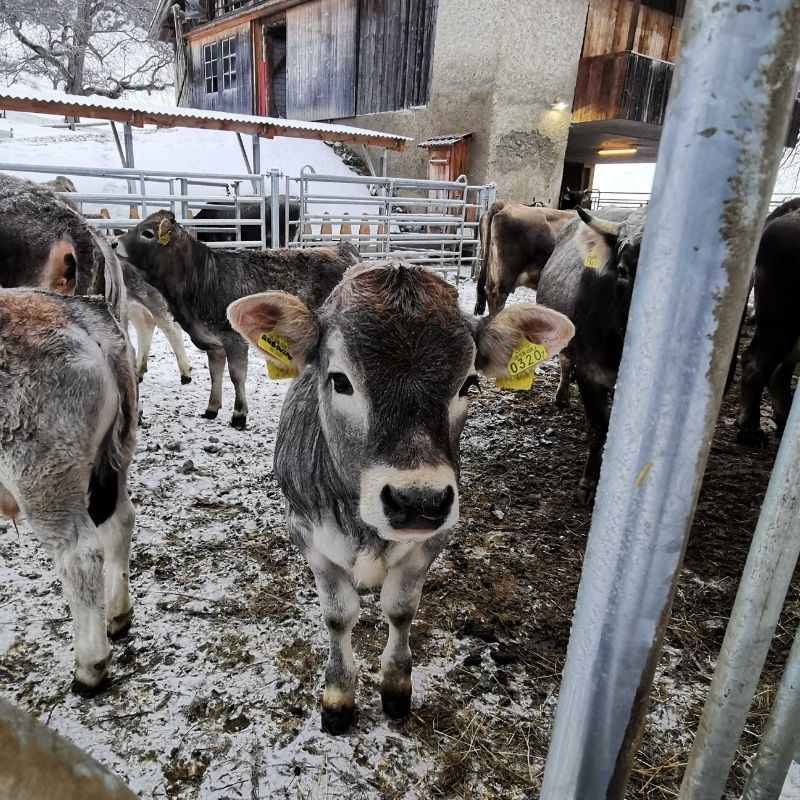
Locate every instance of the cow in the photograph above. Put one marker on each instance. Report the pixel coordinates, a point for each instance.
(589, 278)
(576, 198)
(147, 309)
(516, 241)
(250, 233)
(44, 242)
(199, 284)
(367, 449)
(774, 351)
(68, 415)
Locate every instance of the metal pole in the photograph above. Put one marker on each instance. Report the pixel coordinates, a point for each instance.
(782, 735)
(262, 190)
(724, 132)
(275, 191)
(256, 145)
(759, 599)
(127, 133)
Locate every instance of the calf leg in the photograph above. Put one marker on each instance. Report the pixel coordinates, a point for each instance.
(74, 543)
(144, 324)
(758, 364)
(115, 536)
(780, 390)
(175, 339)
(216, 366)
(400, 595)
(237, 368)
(341, 606)
(562, 393)
(596, 405)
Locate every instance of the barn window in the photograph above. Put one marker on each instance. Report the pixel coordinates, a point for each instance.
(210, 67)
(226, 6)
(229, 63)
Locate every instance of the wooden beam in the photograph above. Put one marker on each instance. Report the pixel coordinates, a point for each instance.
(212, 29)
(167, 120)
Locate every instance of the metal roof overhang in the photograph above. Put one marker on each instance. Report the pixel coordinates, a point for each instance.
(586, 138)
(140, 114)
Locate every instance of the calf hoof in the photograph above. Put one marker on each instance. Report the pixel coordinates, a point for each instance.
(209, 414)
(186, 379)
(120, 626)
(239, 422)
(751, 437)
(338, 720)
(93, 687)
(396, 705)
(584, 494)
(562, 401)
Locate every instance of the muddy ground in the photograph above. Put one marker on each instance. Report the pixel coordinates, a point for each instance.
(215, 693)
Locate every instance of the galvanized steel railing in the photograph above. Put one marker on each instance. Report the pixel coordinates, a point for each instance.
(637, 199)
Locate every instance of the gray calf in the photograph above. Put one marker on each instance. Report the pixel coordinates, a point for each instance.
(67, 430)
(367, 450)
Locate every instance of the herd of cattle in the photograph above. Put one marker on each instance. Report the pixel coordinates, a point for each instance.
(384, 361)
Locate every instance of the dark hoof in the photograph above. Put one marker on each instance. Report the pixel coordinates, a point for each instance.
(337, 721)
(584, 495)
(120, 626)
(209, 414)
(186, 379)
(240, 423)
(141, 378)
(750, 437)
(82, 690)
(396, 705)
(562, 402)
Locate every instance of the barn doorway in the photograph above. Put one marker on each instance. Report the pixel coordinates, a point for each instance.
(270, 36)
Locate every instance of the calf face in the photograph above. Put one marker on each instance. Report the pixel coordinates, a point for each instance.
(368, 444)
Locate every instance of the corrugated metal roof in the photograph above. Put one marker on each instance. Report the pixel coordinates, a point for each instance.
(442, 141)
(139, 113)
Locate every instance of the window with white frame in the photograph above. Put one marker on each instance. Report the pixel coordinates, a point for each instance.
(210, 67)
(229, 63)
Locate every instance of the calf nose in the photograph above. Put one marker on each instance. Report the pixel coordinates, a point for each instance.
(416, 508)
(114, 243)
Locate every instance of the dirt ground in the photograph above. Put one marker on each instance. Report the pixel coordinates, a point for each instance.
(215, 693)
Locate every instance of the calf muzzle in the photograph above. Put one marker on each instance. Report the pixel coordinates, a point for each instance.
(416, 508)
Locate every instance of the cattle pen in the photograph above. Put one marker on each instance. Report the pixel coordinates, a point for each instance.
(637, 695)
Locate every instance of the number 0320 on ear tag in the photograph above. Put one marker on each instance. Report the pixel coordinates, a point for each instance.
(270, 342)
(521, 365)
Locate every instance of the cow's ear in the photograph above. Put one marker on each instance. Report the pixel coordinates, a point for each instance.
(278, 326)
(596, 240)
(503, 339)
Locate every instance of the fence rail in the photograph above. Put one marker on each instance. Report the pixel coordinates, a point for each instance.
(637, 199)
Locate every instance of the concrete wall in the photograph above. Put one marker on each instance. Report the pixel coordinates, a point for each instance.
(498, 65)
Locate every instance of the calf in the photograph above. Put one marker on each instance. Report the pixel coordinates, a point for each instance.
(774, 352)
(367, 451)
(147, 309)
(589, 277)
(199, 284)
(250, 233)
(516, 242)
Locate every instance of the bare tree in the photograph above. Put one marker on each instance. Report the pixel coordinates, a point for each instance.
(83, 46)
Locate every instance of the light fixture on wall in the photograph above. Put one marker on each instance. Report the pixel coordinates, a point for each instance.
(617, 151)
(559, 105)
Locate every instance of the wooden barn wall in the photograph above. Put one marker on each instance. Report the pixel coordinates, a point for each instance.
(321, 59)
(395, 51)
(238, 98)
(650, 28)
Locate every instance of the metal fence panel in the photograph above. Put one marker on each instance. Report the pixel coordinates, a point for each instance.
(735, 83)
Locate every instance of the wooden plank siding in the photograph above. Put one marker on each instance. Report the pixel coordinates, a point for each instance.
(321, 60)
(622, 86)
(395, 51)
(238, 98)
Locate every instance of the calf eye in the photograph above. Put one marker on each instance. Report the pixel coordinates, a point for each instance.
(341, 384)
(469, 383)
(148, 234)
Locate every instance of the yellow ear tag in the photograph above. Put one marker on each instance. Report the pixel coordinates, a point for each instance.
(591, 259)
(163, 232)
(521, 366)
(270, 342)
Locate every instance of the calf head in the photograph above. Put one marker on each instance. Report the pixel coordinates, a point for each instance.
(159, 247)
(394, 362)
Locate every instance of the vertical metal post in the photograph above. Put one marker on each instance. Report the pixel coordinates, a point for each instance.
(724, 131)
(143, 191)
(256, 143)
(759, 599)
(237, 211)
(781, 737)
(287, 207)
(262, 210)
(127, 135)
(275, 191)
(184, 184)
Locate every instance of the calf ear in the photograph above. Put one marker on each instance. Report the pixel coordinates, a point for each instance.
(279, 327)
(498, 338)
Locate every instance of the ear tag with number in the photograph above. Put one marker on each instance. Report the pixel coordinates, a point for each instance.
(521, 366)
(591, 259)
(270, 342)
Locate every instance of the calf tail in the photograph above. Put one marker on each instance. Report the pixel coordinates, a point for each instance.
(115, 292)
(486, 243)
